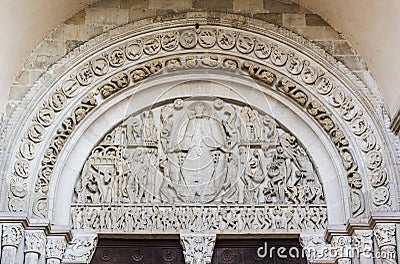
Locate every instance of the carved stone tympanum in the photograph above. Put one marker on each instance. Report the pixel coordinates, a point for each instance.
(199, 164)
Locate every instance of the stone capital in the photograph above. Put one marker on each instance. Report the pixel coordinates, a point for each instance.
(12, 235)
(35, 241)
(315, 247)
(80, 249)
(385, 234)
(362, 240)
(198, 248)
(341, 247)
(55, 247)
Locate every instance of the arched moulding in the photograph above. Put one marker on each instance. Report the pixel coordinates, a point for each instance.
(267, 76)
(162, 90)
(273, 47)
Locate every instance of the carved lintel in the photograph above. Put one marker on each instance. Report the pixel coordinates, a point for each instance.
(341, 247)
(55, 248)
(385, 235)
(315, 247)
(198, 248)
(81, 249)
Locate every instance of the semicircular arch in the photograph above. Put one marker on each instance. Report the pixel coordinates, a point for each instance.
(275, 58)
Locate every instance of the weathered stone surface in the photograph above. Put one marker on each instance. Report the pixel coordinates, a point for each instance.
(22, 78)
(78, 19)
(273, 18)
(213, 5)
(251, 6)
(311, 33)
(134, 4)
(274, 6)
(86, 32)
(137, 14)
(73, 44)
(272, 161)
(64, 32)
(294, 20)
(352, 62)
(50, 48)
(325, 45)
(107, 4)
(170, 4)
(315, 20)
(332, 34)
(343, 48)
(17, 92)
(95, 16)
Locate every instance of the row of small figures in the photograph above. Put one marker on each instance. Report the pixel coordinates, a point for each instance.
(223, 219)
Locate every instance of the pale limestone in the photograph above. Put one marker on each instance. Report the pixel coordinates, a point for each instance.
(170, 4)
(251, 6)
(114, 16)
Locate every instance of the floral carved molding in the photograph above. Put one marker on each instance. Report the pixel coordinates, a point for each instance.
(265, 57)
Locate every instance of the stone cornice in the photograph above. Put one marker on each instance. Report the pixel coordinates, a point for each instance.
(375, 218)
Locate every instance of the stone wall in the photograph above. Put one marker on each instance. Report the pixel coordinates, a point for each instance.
(108, 14)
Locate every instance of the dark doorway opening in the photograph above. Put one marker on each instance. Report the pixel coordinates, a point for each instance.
(226, 251)
(141, 251)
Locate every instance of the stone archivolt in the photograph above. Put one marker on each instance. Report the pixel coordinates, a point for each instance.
(256, 48)
(207, 159)
(255, 178)
(262, 74)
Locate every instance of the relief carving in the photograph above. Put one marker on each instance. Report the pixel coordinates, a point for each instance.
(11, 239)
(341, 246)
(35, 242)
(209, 152)
(80, 250)
(55, 248)
(208, 37)
(315, 247)
(134, 51)
(100, 66)
(363, 243)
(12, 235)
(226, 219)
(385, 235)
(198, 248)
(3, 125)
